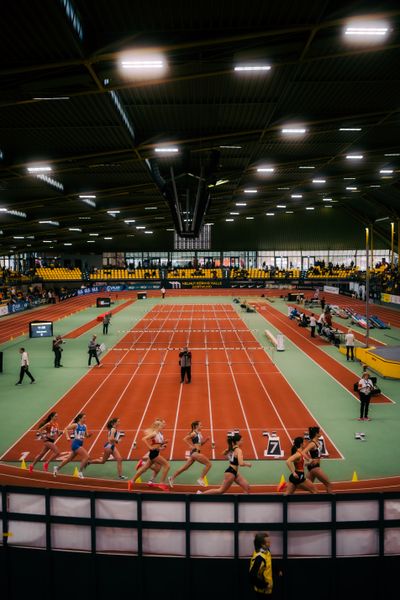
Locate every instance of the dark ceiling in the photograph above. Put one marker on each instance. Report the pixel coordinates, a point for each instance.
(97, 128)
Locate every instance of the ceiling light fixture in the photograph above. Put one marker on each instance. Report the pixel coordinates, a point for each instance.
(354, 156)
(252, 68)
(296, 195)
(39, 169)
(250, 191)
(166, 149)
(265, 169)
(350, 129)
(293, 130)
(319, 180)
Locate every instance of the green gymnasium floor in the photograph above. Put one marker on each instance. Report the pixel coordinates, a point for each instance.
(332, 405)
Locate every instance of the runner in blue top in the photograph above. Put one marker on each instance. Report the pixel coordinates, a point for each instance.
(110, 447)
(77, 431)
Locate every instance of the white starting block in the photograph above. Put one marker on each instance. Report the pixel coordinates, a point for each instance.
(273, 449)
(360, 436)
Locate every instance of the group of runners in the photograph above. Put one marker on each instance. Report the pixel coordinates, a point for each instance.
(304, 463)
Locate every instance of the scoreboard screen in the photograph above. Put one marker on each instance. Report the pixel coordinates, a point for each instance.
(100, 302)
(38, 329)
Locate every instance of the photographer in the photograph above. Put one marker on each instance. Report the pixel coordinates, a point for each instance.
(185, 362)
(57, 349)
(365, 389)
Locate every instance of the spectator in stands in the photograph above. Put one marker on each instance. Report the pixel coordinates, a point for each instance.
(323, 303)
(320, 323)
(185, 362)
(349, 343)
(365, 389)
(106, 322)
(163, 292)
(57, 349)
(92, 350)
(24, 367)
(260, 570)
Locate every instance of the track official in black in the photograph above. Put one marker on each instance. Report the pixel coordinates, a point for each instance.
(185, 361)
(57, 349)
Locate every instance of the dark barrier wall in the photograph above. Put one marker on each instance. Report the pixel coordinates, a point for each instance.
(62, 575)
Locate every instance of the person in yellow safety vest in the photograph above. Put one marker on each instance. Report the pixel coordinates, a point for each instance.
(260, 570)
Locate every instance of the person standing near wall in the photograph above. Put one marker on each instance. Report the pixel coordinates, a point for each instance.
(163, 292)
(185, 361)
(260, 570)
(24, 370)
(313, 324)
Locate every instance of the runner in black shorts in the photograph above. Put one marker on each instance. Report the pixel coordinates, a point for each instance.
(195, 440)
(235, 456)
(155, 442)
(296, 465)
(314, 466)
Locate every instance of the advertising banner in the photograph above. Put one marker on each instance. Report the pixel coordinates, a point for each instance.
(331, 289)
(390, 298)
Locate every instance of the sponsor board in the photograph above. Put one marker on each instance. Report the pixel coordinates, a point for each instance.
(331, 289)
(390, 298)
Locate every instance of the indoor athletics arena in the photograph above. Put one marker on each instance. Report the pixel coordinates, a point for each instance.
(200, 299)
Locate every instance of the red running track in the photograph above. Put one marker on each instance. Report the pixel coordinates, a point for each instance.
(238, 388)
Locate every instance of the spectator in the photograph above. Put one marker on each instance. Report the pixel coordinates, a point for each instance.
(24, 367)
(260, 571)
(313, 324)
(163, 292)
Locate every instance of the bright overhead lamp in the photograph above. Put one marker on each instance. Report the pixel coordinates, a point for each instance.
(386, 171)
(366, 29)
(328, 206)
(234, 213)
(129, 221)
(281, 206)
(140, 227)
(90, 241)
(170, 229)
(39, 169)
(18, 237)
(232, 147)
(52, 98)
(150, 208)
(229, 220)
(249, 218)
(296, 195)
(309, 208)
(265, 169)
(374, 186)
(350, 129)
(393, 154)
(93, 234)
(270, 214)
(142, 64)
(48, 241)
(252, 68)
(67, 244)
(319, 180)
(56, 223)
(241, 203)
(294, 130)
(306, 167)
(349, 178)
(113, 213)
(166, 149)
(107, 238)
(288, 212)
(148, 231)
(327, 200)
(74, 229)
(354, 156)
(3, 209)
(86, 196)
(283, 188)
(250, 191)
(351, 188)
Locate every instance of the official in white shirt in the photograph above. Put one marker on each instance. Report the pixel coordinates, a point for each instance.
(24, 367)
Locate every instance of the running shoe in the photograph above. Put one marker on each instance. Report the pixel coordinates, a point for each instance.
(55, 471)
(171, 482)
(282, 486)
(130, 486)
(122, 477)
(199, 492)
(139, 464)
(201, 482)
(150, 483)
(81, 475)
(45, 467)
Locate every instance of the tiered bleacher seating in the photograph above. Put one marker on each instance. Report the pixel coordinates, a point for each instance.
(195, 274)
(322, 273)
(58, 274)
(110, 273)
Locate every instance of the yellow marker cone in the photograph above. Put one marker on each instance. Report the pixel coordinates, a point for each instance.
(282, 484)
(355, 477)
(206, 481)
(139, 480)
(76, 472)
(23, 465)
